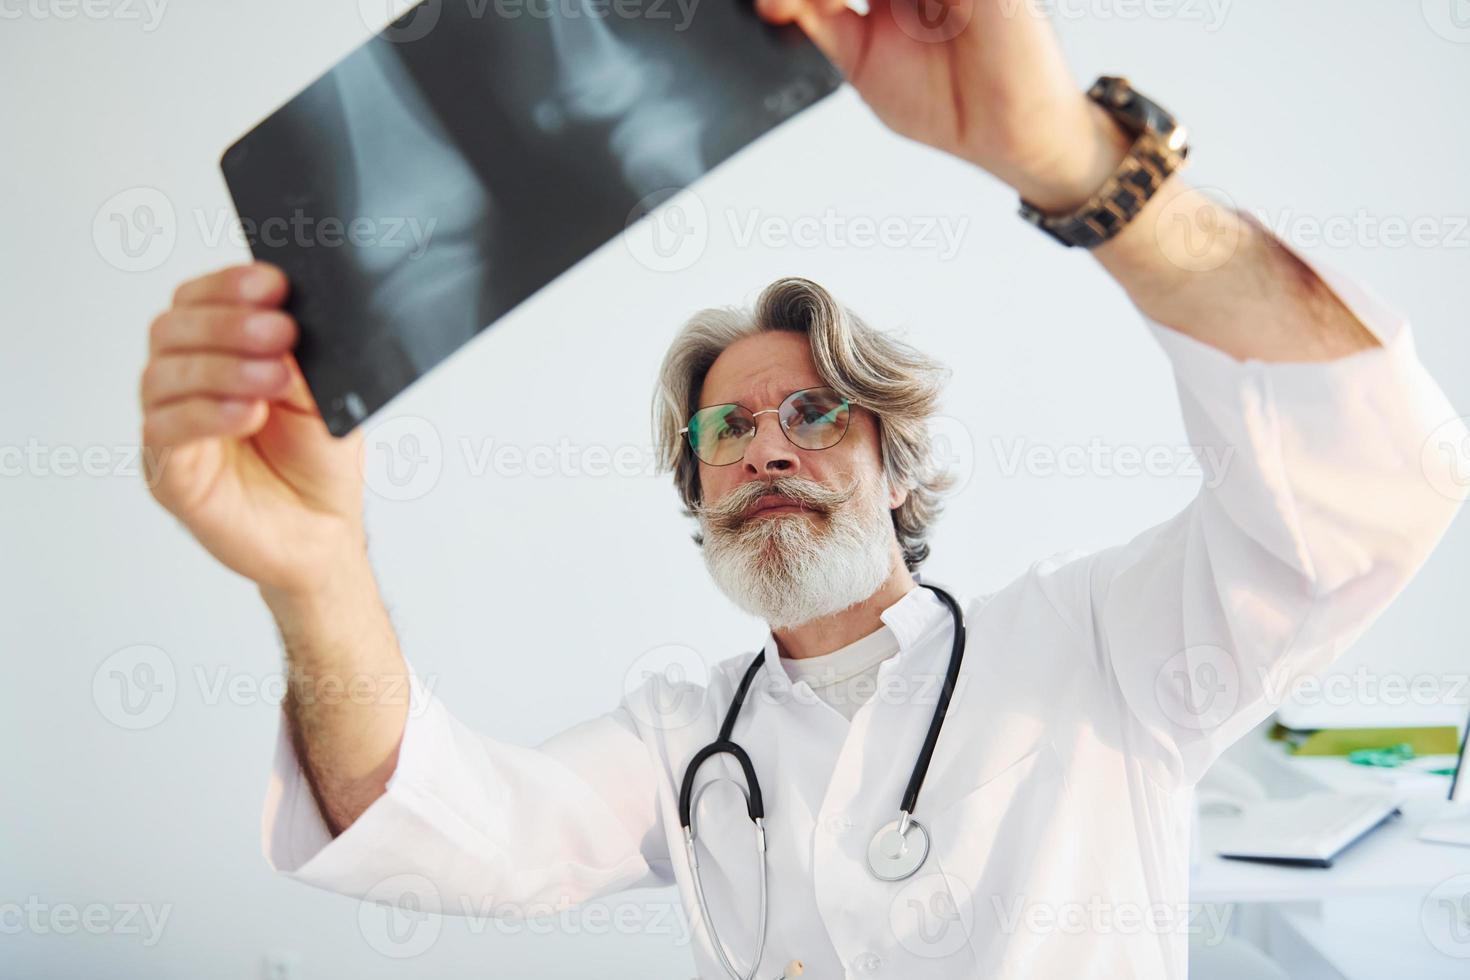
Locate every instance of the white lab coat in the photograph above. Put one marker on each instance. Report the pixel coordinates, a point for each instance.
(1095, 691)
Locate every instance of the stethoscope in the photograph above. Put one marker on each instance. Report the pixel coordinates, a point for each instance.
(897, 849)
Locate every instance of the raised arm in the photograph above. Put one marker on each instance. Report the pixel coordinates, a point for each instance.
(1338, 484)
(373, 777)
(240, 455)
(985, 81)
(348, 687)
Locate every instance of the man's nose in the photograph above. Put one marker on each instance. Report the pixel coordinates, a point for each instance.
(769, 452)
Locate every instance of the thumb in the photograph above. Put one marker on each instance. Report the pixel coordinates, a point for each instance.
(837, 31)
(296, 442)
(297, 396)
(293, 415)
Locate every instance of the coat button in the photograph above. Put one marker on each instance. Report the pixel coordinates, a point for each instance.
(867, 962)
(838, 825)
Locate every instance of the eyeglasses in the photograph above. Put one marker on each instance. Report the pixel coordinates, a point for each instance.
(812, 418)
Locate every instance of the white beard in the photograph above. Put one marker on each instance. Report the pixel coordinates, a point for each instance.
(791, 568)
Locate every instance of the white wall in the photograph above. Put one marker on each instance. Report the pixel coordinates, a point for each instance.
(1313, 110)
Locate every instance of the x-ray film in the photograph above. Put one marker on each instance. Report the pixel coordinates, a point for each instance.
(474, 150)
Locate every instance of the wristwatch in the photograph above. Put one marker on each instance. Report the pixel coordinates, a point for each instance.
(1159, 148)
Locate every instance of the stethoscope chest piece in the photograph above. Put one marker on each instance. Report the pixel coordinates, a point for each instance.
(898, 849)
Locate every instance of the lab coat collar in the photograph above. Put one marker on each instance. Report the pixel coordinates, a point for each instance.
(913, 616)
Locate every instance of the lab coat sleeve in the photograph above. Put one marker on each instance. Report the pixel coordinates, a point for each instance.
(1327, 487)
(481, 824)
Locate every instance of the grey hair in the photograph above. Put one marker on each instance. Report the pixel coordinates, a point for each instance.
(897, 382)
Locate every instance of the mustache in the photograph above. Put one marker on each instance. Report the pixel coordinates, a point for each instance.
(728, 514)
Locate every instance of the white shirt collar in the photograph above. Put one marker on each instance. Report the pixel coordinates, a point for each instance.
(913, 616)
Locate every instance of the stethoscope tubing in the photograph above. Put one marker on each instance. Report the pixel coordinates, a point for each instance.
(755, 804)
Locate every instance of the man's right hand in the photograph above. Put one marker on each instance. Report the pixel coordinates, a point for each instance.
(234, 446)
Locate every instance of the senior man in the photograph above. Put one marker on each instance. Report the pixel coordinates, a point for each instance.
(1094, 692)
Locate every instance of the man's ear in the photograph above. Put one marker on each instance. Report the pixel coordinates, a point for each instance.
(896, 496)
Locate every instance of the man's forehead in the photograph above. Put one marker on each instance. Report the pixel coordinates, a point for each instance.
(761, 369)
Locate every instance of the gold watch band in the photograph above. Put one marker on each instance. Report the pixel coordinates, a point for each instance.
(1159, 149)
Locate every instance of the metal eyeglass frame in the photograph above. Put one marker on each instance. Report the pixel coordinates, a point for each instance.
(848, 403)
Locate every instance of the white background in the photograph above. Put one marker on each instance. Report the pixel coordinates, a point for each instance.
(526, 598)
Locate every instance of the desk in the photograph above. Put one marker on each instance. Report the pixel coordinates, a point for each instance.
(1388, 859)
(1376, 913)
(1371, 938)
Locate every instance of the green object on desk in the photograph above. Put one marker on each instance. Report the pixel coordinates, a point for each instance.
(1388, 758)
(1429, 740)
